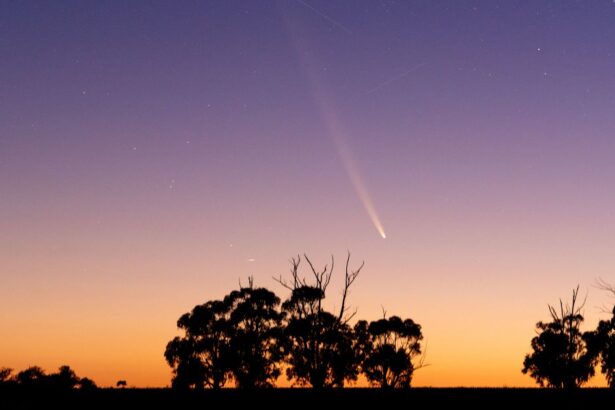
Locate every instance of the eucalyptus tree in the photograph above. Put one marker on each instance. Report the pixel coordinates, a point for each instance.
(389, 347)
(201, 357)
(318, 344)
(561, 357)
(255, 326)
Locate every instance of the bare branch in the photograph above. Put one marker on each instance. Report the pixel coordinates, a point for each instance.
(553, 313)
(349, 317)
(316, 275)
(349, 278)
(294, 274)
(327, 277)
(422, 359)
(604, 285)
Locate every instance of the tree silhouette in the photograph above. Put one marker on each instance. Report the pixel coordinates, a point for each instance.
(560, 356)
(5, 374)
(605, 334)
(603, 342)
(318, 344)
(189, 370)
(388, 347)
(87, 384)
(64, 379)
(121, 383)
(33, 376)
(200, 358)
(254, 332)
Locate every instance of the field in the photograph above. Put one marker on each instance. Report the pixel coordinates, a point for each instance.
(289, 398)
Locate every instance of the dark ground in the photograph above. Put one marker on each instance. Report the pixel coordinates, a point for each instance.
(290, 399)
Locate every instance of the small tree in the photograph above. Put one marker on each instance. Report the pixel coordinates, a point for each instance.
(121, 384)
(318, 344)
(560, 356)
(389, 346)
(200, 358)
(603, 342)
(254, 329)
(87, 384)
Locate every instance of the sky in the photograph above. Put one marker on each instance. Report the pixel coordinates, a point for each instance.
(153, 154)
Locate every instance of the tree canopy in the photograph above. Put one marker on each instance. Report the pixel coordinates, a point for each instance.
(389, 347)
(254, 334)
(200, 358)
(602, 341)
(248, 338)
(560, 356)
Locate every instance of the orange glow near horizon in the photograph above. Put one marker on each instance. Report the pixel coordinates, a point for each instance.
(126, 339)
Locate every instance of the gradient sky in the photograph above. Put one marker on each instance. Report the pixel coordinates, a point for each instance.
(154, 153)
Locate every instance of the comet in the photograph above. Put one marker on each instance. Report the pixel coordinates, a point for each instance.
(352, 170)
(337, 134)
(333, 126)
(357, 182)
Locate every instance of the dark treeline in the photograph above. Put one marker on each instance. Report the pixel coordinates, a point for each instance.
(250, 336)
(35, 377)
